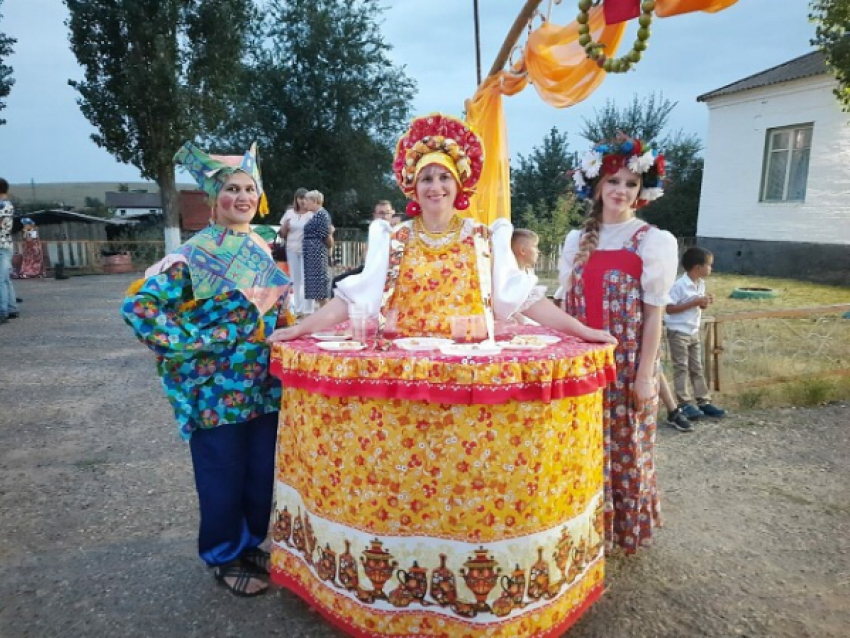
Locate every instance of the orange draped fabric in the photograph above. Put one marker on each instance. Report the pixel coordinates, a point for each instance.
(667, 8)
(556, 64)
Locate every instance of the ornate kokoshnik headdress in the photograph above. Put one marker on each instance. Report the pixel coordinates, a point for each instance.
(606, 158)
(444, 140)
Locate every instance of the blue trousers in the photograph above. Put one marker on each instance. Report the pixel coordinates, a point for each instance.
(234, 475)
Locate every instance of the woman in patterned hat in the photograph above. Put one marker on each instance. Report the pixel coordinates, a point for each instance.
(206, 311)
(617, 273)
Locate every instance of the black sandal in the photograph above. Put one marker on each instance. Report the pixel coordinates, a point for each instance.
(243, 575)
(258, 559)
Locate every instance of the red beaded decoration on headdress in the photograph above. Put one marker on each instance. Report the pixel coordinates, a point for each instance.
(432, 134)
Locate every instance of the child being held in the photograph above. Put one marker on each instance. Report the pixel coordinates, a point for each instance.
(682, 320)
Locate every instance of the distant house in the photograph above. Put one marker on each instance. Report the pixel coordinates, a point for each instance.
(776, 187)
(194, 210)
(133, 203)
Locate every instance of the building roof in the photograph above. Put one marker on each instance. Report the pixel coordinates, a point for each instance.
(805, 66)
(133, 200)
(58, 216)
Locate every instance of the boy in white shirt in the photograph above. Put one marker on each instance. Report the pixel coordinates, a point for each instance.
(682, 319)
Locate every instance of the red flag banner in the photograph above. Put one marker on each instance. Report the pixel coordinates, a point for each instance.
(617, 11)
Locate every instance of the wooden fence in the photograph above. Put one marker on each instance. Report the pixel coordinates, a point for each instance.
(760, 348)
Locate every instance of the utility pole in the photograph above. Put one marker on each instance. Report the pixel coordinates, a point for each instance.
(477, 42)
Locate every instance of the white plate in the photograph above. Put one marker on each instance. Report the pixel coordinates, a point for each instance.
(415, 344)
(330, 336)
(534, 340)
(507, 345)
(341, 346)
(471, 349)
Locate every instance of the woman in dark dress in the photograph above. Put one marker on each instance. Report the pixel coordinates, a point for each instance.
(316, 244)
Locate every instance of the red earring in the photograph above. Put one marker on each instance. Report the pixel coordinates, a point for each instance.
(413, 209)
(462, 202)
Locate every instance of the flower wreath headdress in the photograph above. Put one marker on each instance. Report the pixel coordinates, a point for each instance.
(444, 140)
(606, 158)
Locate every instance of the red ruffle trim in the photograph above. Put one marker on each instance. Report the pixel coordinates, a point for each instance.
(282, 579)
(444, 392)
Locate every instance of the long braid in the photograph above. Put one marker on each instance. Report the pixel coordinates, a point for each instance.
(590, 233)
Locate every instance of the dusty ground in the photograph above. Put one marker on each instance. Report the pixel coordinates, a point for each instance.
(98, 515)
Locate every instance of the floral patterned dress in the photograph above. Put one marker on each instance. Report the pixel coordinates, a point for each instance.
(606, 294)
(397, 517)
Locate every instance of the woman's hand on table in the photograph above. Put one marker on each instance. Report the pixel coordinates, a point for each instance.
(597, 336)
(285, 334)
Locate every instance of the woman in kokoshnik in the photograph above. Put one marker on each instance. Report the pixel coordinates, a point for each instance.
(206, 311)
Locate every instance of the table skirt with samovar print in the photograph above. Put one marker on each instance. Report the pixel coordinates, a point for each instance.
(410, 518)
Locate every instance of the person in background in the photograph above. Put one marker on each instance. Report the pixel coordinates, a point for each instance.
(616, 273)
(292, 230)
(8, 300)
(318, 241)
(383, 210)
(682, 319)
(525, 246)
(32, 260)
(206, 311)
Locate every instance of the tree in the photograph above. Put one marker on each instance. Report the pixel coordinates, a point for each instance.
(541, 178)
(647, 119)
(644, 118)
(832, 37)
(326, 104)
(156, 73)
(6, 80)
(566, 214)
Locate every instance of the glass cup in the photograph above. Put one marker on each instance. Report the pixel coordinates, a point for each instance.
(505, 329)
(477, 328)
(391, 324)
(469, 328)
(460, 328)
(364, 324)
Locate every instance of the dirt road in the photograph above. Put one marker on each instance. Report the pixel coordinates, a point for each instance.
(98, 514)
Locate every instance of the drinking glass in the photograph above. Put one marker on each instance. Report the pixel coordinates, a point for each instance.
(364, 324)
(391, 324)
(460, 328)
(477, 328)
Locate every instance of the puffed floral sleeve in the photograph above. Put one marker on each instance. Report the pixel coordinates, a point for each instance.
(514, 289)
(164, 316)
(660, 254)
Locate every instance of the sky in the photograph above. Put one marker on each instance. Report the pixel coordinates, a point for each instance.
(47, 139)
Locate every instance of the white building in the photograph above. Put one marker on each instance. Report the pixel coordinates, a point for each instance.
(776, 187)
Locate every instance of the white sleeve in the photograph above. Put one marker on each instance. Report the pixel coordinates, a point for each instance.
(514, 290)
(566, 263)
(676, 296)
(660, 254)
(367, 288)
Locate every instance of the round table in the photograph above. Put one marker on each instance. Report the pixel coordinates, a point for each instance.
(432, 495)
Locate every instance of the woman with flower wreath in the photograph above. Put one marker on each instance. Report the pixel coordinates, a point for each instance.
(617, 272)
(425, 483)
(205, 311)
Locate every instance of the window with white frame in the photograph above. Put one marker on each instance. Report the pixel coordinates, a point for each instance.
(786, 163)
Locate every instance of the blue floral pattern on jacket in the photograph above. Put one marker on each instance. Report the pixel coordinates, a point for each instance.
(212, 355)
